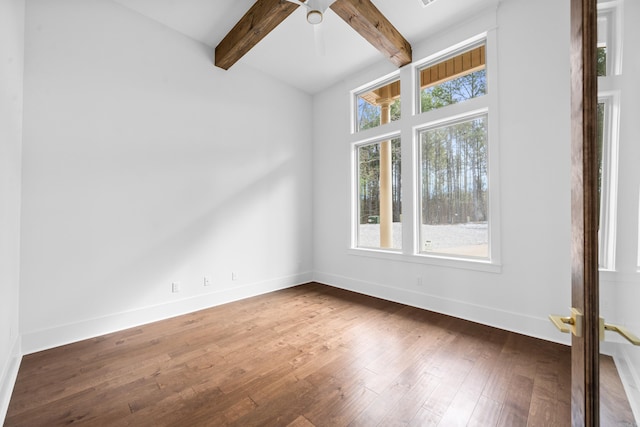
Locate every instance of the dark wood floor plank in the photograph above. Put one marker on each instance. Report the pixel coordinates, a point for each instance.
(486, 413)
(300, 422)
(515, 410)
(407, 408)
(309, 356)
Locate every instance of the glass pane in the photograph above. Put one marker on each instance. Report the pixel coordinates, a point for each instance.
(378, 106)
(370, 218)
(602, 61)
(453, 80)
(600, 145)
(603, 41)
(453, 181)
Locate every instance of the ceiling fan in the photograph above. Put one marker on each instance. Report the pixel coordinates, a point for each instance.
(265, 15)
(315, 9)
(315, 15)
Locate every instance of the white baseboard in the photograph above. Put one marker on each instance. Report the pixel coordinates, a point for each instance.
(8, 378)
(65, 334)
(515, 322)
(630, 377)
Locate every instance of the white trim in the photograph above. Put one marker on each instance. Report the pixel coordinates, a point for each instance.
(8, 378)
(630, 378)
(90, 328)
(538, 327)
(435, 260)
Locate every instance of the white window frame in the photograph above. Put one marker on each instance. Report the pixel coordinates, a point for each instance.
(364, 89)
(609, 180)
(610, 18)
(483, 105)
(355, 191)
(469, 115)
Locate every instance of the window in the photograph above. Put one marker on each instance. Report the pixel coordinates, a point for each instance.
(454, 188)
(379, 195)
(609, 65)
(448, 200)
(378, 106)
(602, 45)
(607, 178)
(609, 39)
(453, 175)
(454, 79)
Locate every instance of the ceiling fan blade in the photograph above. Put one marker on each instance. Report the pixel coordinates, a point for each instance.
(299, 3)
(318, 38)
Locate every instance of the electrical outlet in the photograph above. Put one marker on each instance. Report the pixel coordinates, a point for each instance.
(419, 281)
(206, 281)
(234, 276)
(175, 287)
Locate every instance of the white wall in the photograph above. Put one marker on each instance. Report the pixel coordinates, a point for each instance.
(144, 164)
(11, 65)
(534, 142)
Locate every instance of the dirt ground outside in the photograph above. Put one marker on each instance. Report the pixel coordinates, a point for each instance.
(469, 239)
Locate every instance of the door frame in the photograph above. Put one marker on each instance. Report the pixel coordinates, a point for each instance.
(585, 349)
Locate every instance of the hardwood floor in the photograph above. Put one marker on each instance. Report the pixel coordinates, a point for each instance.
(306, 356)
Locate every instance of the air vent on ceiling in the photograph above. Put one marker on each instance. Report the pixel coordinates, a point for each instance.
(426, 2)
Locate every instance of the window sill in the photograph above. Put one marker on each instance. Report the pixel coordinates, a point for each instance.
(435, 260)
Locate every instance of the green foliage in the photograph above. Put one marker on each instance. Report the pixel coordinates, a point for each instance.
(453, 91)
(602, 61)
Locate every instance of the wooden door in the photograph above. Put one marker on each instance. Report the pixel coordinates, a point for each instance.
(585, 348)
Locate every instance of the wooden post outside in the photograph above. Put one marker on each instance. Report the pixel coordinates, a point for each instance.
(386, 186)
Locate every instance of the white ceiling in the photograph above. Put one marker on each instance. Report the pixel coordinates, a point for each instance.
(288, 52)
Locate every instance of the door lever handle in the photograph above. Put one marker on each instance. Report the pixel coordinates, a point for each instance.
(570, 324)
(573, 324)
(619, 329)
(561, 323)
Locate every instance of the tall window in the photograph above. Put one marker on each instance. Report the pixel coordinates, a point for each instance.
(453, 175)
(454, 188)
(379, 198)
(446, 144)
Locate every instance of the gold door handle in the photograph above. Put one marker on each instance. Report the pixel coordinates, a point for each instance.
(570, 324)
(619, 329)
(561, 323)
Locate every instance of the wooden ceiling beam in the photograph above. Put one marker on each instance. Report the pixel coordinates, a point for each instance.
(364, 17)
(260, 20)
(265, 15)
